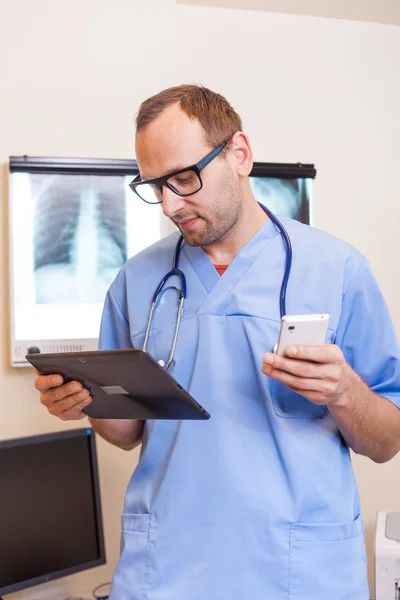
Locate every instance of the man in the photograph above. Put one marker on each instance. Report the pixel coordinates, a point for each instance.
(259, 502)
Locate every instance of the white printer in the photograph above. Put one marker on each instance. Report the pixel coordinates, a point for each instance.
(387, 556)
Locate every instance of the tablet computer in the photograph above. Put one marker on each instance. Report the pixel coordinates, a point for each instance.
(124, 384)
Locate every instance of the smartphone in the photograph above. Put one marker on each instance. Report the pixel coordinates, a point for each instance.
(305, 330)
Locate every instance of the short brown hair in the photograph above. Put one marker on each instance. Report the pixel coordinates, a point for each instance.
(214, 113)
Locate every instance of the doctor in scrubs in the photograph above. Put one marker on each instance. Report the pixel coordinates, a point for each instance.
(260, 502)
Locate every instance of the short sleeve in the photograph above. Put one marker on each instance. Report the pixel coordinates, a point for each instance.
(367, 337)
(114, 328)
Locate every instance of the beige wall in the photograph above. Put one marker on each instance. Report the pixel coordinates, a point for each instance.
(309, 89)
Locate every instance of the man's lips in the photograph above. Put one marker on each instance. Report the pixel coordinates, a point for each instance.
(187, 223)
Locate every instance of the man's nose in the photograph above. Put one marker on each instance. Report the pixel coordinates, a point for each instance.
(171, 202)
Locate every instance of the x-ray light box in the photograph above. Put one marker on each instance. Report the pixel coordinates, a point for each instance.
(75, 222)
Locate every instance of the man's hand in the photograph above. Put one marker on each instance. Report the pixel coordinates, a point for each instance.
(319, 373)
(63, 400)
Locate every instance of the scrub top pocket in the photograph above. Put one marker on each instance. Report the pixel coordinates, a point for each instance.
(289, 405)
(133, 570)
(328, 562)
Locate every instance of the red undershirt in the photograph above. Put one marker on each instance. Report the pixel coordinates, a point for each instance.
(221, 269)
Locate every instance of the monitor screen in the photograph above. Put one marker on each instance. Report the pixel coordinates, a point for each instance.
(75, 222)
(50, 508)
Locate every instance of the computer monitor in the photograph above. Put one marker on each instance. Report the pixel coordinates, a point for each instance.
(50, 511)
(72, 225)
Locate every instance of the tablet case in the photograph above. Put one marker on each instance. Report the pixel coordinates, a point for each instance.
(124, 384)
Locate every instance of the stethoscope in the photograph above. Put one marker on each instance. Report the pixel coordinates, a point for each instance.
(182, 291)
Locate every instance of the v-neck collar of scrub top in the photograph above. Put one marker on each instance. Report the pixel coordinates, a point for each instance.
(218, 286)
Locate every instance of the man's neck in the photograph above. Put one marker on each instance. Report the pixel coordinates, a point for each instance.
(225, 250)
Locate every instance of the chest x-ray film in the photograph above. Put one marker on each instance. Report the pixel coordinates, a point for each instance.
(290, 197)
(284, 188)
(74, 223)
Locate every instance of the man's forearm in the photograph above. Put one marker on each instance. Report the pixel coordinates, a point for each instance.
(124, 433)
(369, 423)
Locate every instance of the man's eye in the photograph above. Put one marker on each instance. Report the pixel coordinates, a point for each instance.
(184, 179)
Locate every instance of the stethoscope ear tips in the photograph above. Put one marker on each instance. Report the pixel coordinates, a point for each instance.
(161, 363)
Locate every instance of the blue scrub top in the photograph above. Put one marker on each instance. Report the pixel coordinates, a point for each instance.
(260, 502)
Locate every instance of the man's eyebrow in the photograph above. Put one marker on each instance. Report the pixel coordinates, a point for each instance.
(170, 172)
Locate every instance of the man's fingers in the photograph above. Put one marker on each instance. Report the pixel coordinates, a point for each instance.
(45, 382)
(59, 393)
(63, 400)
(328, 353)
(307, 361)
(72, 414)
(56, 407)
(76, 417)
(300, 368)
(301, 385)
(71, 407)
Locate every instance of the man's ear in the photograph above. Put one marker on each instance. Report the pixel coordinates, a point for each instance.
(240, 145)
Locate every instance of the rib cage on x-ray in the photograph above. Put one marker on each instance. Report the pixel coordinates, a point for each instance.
(80, 237)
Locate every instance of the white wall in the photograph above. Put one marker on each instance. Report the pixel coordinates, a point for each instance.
(311, 90)
(375, 11)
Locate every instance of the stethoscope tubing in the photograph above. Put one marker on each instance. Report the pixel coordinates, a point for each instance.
(176, 271)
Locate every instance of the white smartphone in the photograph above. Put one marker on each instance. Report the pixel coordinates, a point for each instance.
(307, 330)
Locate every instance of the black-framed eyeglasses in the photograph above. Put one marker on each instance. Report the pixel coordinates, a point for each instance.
(184, 182)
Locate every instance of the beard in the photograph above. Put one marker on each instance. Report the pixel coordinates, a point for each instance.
(223, 218)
